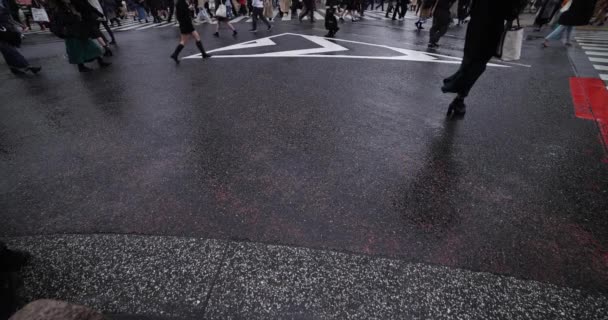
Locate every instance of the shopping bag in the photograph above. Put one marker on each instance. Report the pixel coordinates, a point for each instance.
(511, 44)
(221, 11)
(39, 15)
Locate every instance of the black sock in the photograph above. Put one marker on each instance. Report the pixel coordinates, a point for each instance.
(199, 45)
(178, 49)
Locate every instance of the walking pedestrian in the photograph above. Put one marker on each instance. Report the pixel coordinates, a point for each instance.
(441, 21)
(268, 10)
(97, 18)
(140, 7)
(284, 7)
(463, 10)
(10, 39)
(182, 14)
(402, 6)
(331, 23)
(171, 5)
(74, 27)
(221, 20)
(350, 9)
(110, 7)
(548, 9)
(573, 13)
(426, 11)
(483, 36)
(392, 5)
(309, 5)
(258, 8)
(154, 6)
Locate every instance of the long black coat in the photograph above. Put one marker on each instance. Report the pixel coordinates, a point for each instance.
(486, 28)
(579, 14)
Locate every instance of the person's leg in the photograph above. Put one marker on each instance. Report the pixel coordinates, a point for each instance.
(442, 28)
(254, 23)
(569, 30)
(231, 27)
(199, 45)
(556, 34)
(217, 29)
(312, 10)
(171, 9)
(15, 60)
(183, 38)
(263, 18)
(109, 31)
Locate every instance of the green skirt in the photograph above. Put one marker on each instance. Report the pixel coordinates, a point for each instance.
(81, 50)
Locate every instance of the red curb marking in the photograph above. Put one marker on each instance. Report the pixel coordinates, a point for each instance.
(590, 98)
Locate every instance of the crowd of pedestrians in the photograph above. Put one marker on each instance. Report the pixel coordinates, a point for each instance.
(78, 23)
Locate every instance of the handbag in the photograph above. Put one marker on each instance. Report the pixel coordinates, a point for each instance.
(221, 11)
(39, 15)
(511, 43)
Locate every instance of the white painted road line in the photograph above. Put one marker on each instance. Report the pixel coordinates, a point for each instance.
(149, 26)
(596, 53)
(166, 25)
(593, 44)
(598, 60)
(594, 48)
(604, 77)
(318, 16)
(134, 26)
(600, 67)
(237, 19)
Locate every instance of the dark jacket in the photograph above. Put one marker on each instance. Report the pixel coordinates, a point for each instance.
(486, 28)
(579, 14)
(182, 12)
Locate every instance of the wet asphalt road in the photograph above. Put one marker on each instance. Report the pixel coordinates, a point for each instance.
(347, 154)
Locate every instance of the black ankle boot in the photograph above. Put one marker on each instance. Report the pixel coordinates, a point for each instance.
(199, 45)
(83, 68)
(102, 63)
(457, 108)
(107, 52)
(175, 54)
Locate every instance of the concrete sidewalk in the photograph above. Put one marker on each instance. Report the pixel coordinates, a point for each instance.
(136, 277)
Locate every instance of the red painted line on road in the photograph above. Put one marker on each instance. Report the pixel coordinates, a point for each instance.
(590, 98)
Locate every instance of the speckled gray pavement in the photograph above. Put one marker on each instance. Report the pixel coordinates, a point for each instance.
(347, 155)
(211, 279)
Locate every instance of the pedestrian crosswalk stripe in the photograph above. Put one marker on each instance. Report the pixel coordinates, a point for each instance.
(149, 26)
(170, 24)
(593, 44)
(132, 26)
(596, 53)
(604, 77)
(600, 67)
(237, 19)
(318, 16)
(598, 60)
(595, 48)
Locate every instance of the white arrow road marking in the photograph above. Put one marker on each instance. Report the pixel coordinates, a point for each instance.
(330, 46)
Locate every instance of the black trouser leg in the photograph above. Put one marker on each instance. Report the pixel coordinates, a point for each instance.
(467, 75)
(171, 9)
(439, 28)
(108, 30)
(260, 13)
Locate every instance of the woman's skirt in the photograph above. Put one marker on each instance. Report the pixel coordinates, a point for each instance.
(81, 50)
